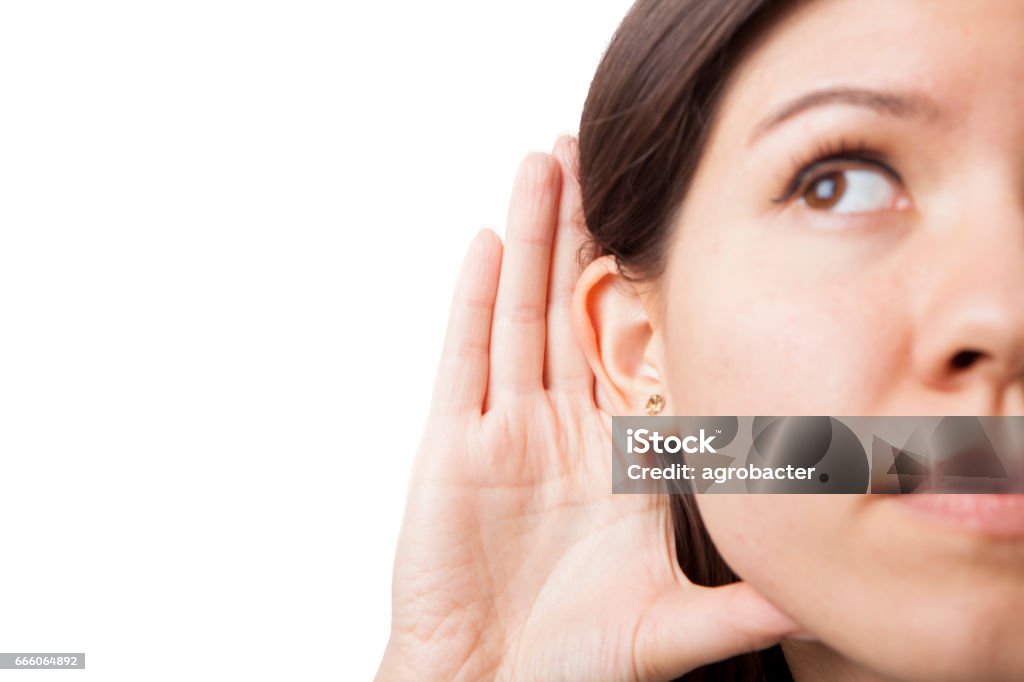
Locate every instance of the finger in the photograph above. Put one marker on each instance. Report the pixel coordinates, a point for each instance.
(699, 625)
(565, 366)
(517, 334)
(462, 376)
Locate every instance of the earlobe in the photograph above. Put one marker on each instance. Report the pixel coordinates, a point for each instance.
(616, 335)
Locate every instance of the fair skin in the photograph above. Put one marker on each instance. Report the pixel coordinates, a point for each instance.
(861, 291)
(505, 568)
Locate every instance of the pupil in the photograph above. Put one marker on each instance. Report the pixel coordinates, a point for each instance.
(827, 188)
(826, 191)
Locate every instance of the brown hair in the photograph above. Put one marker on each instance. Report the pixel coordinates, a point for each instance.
(643, 131)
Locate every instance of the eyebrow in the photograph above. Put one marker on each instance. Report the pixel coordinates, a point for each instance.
(903, 105)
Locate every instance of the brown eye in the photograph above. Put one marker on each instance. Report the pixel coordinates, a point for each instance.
(852, 190)
(826, 191)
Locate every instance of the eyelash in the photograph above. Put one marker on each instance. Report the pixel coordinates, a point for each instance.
(829, 153)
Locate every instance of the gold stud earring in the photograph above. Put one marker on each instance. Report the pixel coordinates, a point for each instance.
(655, 404)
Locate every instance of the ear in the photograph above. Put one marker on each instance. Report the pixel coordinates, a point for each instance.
(611, 317)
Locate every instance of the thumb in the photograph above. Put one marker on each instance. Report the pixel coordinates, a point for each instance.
(695, 625)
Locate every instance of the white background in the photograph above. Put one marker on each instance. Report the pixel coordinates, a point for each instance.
(228, 236)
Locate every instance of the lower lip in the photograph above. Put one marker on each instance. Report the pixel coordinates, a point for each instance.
(995, 515)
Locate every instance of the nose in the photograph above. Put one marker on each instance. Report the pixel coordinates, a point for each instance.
(975, 341)
(970, 328)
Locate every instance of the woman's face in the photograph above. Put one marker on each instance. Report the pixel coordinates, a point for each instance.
(853, 244)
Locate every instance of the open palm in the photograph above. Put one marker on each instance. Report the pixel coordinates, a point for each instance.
(516, 562)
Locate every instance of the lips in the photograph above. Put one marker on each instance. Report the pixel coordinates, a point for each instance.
(996, 515)
(969, 485)
(976, 468)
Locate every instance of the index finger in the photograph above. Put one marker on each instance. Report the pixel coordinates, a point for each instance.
(565, 366)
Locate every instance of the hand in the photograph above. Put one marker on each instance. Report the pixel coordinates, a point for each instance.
(515, 559)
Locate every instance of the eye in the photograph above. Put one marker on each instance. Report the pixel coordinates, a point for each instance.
(851, 190)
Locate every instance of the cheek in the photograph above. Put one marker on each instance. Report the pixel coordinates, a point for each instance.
(849, 571)
(785, 545)
(755, 343)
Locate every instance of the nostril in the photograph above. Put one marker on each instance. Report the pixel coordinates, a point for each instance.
(965, 359)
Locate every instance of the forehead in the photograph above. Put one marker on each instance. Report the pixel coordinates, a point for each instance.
(953, 51)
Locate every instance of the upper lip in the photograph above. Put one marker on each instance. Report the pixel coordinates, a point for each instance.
(970, 470)
(970, 484)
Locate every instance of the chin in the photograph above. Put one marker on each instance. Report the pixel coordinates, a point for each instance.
(910, 593)
(968, 628)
